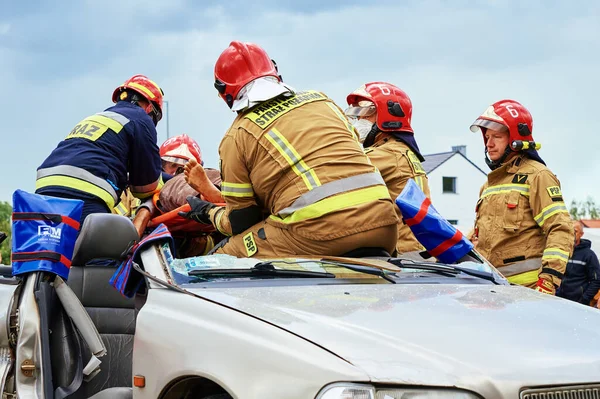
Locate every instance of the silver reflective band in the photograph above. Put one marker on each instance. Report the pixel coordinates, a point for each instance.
(551, 253)
(520, 267)
(147, 188)
(332, 188)
(115, 116)
(233, 189)
(78, 173)
(577, 262)
(546, 214)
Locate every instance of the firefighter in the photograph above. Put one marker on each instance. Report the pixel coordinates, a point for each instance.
(295, 179)
(522, 224)
(175, 153)
(381, 113)
(109, 151)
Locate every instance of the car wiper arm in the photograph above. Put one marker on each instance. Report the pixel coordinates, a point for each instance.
(262, 269)
(361, 269)
(444, 268)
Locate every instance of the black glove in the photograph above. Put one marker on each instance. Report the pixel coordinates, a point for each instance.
(199, 211)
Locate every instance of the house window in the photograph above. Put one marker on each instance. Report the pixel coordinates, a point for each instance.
(449, 184)
(453, 221)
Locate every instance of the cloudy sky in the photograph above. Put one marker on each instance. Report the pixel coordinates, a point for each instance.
(60, 61)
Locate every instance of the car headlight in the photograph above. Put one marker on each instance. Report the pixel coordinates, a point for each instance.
(429, 393)
(347, 391)
(363, 391)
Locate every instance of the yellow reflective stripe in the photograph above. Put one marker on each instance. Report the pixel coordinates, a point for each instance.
(549, 211)
(237, 189)
(81, 185)
(103, 120)
(143, 89)
(343, 119)
(143, 192)
(506, 188)
(293, 158)
(524, 278)
(336, 203)
(419, 181)
(556, 253)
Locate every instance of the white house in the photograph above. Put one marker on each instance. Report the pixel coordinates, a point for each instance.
(454, 182)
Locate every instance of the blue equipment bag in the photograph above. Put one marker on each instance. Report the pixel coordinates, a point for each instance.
(44, 231)
(435, 233)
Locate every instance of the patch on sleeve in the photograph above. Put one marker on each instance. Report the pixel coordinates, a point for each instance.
(415, 163)
(519, 179)
(554, 192)
(250, 244)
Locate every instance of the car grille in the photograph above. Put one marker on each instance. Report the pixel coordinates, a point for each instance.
(568, 392)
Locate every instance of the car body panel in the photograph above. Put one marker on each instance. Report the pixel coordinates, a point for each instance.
(493, 340)
(179, 335)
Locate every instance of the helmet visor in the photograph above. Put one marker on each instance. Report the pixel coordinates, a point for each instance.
(175, 160)
(363, 108)
(487, 124)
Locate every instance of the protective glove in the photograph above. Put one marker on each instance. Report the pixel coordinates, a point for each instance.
(545, 286)
(199, 211)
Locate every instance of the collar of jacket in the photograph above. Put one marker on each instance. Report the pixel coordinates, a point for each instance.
(406, 138)
(583, 244)
(514, 164)
(509, 167)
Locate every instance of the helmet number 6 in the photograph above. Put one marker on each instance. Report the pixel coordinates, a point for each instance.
(384, 90)
(513, 112)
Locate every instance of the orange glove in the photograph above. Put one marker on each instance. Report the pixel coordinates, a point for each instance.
(545, 286)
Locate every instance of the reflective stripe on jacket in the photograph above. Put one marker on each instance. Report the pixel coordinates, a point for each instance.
(102, 155)
(521, 215)
(397, 164)
(298, 159)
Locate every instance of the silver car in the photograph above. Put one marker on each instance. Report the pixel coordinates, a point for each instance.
(367, 327)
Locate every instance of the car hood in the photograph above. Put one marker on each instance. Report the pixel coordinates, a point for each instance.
(478, 337)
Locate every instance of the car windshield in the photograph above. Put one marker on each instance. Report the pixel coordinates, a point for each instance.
(221, 267)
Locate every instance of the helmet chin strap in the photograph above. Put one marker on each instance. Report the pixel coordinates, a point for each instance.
(493, 165)
(370, 139)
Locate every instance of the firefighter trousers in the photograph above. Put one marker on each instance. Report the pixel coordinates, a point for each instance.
(264, 240)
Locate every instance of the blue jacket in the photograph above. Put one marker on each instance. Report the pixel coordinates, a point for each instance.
(104, 154)
(582, 278)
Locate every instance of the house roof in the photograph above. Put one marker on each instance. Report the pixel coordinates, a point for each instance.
(590, 223)
(433, 161)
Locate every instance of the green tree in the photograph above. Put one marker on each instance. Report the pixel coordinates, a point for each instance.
(586, 209)
(5, 226)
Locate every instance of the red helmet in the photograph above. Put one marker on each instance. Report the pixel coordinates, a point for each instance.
(147, 89)
(393, 106)
(180, 149)
(506, 114)
(238, 65)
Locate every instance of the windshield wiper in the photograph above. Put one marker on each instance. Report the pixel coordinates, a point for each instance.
(445, 268)
(361, 269)
(262, 269)
(267, 268)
